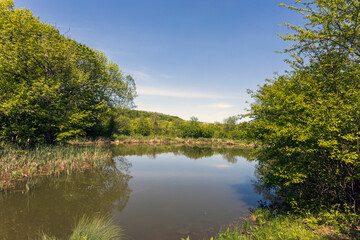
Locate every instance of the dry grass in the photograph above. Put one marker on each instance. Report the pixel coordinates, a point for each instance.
(161, 140)
(22, 164)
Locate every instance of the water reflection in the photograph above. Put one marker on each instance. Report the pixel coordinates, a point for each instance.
(152, 191)
(181, 190)
(285, 183)
(57, 203)
(229, 153)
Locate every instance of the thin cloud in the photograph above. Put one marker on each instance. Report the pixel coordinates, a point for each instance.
(222, 105)
(141, 76)
(162, 92)
(218, 106)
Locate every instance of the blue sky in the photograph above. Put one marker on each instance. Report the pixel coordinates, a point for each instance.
(188, 57)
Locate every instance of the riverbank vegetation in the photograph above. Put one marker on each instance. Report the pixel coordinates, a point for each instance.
(263, 224)
(20, 165)
(52, 89)
(310, 116)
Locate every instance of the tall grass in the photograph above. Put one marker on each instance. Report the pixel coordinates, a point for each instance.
(18, 164)
(98, 228)
(95, 229)
(264, 225)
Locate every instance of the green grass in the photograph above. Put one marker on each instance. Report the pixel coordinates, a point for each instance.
(263, 225)
(18, 164)
(98, 228)
(120, 137)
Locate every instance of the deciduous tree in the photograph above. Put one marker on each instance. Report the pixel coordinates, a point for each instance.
(52, 87)
(310, 117)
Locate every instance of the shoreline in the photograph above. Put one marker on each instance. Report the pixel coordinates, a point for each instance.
(162, 141)
(20, 165)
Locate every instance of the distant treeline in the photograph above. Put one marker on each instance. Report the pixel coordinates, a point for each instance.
(130, 122)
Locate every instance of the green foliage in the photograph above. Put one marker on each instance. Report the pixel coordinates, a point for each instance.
(262, 224)
(190, 130)
(230, 123)
(51, 87)
(133, 114)
(137, 123)
(194, 129)
(122, 125)
(341, 219)
(331, 30)
(142, 127)
(309, 118)
(207, 131)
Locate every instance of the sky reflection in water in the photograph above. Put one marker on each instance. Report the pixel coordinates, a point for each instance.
(152, 191)
(190, 191)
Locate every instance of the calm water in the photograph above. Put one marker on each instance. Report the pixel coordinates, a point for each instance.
(153, 192)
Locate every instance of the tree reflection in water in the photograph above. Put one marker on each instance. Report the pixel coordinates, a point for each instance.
(229, 153)
(55, 204)
(66, 198)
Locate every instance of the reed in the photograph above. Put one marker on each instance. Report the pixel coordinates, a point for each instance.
(18, 164)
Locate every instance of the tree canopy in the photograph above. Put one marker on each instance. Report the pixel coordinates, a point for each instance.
(52, 87)
(310, 116)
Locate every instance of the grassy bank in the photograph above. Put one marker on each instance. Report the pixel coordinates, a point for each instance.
(262, 224)
(20, 165)
(123, 139)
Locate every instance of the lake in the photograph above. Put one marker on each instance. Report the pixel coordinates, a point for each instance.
(151, 191)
